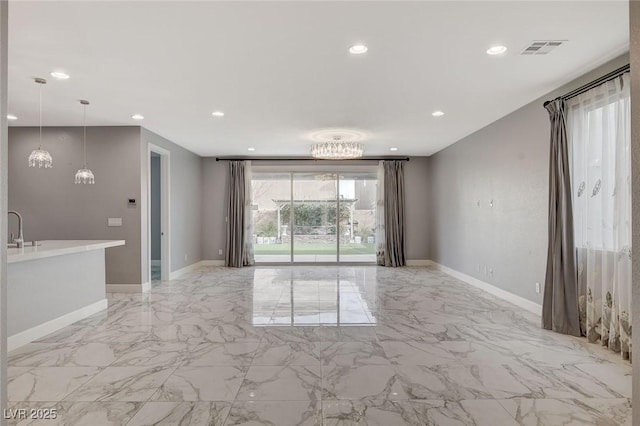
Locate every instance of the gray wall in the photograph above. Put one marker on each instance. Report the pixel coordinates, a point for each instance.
(54, 208)
(634, 17)
(214, 194)
(214, 208)
(156, 206)
(418, 212)
(506, 162)
(185, 202)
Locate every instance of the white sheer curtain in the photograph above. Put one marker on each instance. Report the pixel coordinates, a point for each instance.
(248, 258)
(598, 127)
(380, 231)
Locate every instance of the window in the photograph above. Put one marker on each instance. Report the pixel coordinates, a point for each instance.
(599, 139)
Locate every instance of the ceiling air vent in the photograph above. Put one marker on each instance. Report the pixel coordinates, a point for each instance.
(541, 47)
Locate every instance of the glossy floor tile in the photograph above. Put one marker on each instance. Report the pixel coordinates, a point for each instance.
(322, 345)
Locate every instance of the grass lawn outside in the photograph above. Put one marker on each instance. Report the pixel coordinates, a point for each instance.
(314, 248)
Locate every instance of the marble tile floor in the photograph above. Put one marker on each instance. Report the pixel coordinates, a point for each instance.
(330, 345)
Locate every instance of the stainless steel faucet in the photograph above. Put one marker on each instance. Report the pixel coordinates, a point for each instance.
(19, 242)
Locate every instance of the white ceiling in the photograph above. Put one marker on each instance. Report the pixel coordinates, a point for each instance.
(281, 71)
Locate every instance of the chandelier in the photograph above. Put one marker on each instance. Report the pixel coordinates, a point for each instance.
(337, 149)
(39, 157)
(84, 175)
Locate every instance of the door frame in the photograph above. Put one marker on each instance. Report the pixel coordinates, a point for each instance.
(165, 210)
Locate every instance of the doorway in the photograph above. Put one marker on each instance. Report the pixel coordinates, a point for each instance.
(155, 205)
(158, 216)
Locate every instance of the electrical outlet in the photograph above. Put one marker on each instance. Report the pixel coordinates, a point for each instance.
(537, 287)
(185, 257)
(114, 221)
(219, 252)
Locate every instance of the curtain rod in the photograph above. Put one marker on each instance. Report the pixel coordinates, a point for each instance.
(597, 82)
(307, 159)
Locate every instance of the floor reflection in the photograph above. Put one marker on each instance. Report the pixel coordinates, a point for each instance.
(329, 296)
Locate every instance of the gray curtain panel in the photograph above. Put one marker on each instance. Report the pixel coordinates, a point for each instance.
(560, 303)
(394, 250)
(234, 256)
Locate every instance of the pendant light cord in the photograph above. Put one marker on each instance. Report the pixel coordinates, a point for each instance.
(40, 117)
(84, 148)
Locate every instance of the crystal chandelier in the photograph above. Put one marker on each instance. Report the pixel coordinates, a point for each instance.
(39, 157)
(84, 175)
(337, 149)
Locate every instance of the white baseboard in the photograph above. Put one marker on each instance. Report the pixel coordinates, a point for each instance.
(503, 294)
(195, 266)
(212, 262)
(156, 263)
(182, 271)
(128, 288)
(418, 262)
(39, 331)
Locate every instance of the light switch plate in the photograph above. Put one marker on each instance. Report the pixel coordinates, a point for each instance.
(114, 221)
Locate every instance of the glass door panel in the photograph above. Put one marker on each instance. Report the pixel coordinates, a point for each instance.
(271, 193)
(358, 197)
(314, 217)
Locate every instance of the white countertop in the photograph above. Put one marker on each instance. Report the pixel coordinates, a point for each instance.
(51, 248)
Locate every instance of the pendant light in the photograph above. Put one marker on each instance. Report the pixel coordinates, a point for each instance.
(84, 175)
(39, 157)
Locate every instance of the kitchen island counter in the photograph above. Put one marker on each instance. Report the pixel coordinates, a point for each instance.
(50, 248)
(53, 285)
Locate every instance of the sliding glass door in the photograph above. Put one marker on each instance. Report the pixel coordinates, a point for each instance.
(314, 216)
(315, 227)
(270, 198)
(358, 199)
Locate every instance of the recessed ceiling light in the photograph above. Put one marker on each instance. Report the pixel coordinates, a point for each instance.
(358, 49)
(393, 149)
(437, 113)
(217, 114)
(11, 117)
(496, 50)
(137, 117)
(60, 75)
(251, 149)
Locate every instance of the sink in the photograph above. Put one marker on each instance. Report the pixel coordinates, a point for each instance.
(26, 244)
